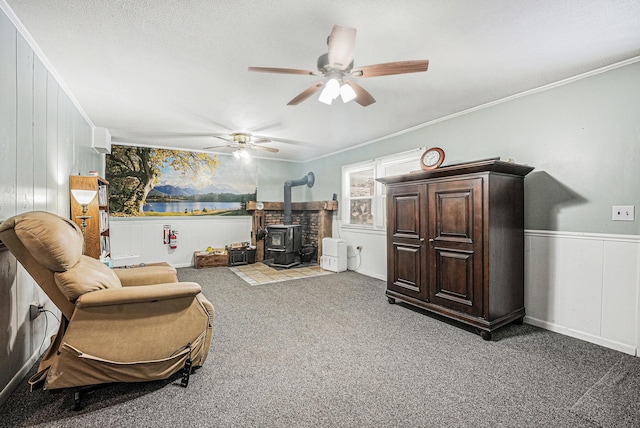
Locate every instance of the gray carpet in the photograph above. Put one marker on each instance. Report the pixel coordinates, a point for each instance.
(614, 400)
(330, 351)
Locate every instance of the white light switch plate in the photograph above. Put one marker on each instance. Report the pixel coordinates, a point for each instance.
(623, 213)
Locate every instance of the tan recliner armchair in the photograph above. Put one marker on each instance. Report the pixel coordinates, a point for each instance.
(113, 329)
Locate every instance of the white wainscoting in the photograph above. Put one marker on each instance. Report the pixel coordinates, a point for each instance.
(144, 237)
(585, 285)
(372, 259)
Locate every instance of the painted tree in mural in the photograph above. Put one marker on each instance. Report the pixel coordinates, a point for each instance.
(132, 173)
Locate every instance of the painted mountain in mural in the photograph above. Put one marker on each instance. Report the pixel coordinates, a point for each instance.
(169, 190)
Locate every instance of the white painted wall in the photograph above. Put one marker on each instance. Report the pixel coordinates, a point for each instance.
(143, 237)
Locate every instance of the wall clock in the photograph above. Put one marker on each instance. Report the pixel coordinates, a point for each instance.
(432, 158)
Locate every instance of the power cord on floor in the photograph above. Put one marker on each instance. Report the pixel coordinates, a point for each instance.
(46, 325)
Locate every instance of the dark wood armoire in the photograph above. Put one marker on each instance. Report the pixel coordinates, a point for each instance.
(455, 242)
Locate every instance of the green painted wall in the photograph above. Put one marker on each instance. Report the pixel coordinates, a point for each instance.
(582, 137)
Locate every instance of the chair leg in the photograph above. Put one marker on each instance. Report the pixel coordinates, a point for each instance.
(79, 393)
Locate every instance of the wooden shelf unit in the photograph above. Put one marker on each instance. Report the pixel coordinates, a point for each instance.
(97, 237)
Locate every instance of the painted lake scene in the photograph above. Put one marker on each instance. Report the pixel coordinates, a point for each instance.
(146, 182)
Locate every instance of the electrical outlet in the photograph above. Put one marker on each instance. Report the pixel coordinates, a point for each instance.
(34, 310)
(623, 213)
(359, 248)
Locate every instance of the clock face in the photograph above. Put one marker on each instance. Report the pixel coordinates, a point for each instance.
(259, 205)
(432, 158)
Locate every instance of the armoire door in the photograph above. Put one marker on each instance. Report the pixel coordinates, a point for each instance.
(455, 240)
(406, 257)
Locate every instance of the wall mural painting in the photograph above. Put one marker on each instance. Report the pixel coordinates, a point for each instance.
(145, 181)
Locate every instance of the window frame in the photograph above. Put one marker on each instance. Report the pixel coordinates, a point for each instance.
(347, 172)
(396, 164)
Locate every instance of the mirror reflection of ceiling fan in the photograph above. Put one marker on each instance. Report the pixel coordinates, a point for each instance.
(337, 64)
(242, 142)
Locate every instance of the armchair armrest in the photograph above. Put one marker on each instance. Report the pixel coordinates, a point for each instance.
(142, 293)
(152, 274)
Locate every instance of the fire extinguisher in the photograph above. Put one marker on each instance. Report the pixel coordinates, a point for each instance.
(173, 239)
(166, 231)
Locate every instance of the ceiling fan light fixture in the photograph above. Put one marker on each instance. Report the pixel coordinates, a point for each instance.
(347, 93)
(241, 154)
(330, 92)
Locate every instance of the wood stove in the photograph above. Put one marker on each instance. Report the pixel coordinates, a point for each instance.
(284, 241)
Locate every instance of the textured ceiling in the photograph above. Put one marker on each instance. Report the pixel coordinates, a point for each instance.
(172, 73)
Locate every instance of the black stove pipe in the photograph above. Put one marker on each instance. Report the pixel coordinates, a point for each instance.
(308, 179)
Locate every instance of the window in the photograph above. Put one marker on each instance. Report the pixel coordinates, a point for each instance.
(364, 196)
(361, 190)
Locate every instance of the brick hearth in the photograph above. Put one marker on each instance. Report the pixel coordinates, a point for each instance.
(315, 220)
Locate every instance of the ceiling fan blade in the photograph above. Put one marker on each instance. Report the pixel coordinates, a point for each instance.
(266, 149)
(217, 147)
(363, 97)
(222, 137)
(261, 140)
(284, 71)
(342, 42)
(305, 94)
(280, 140)
(389, 68)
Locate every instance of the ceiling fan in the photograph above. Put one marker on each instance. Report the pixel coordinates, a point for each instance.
(242, 141)
(337, 64)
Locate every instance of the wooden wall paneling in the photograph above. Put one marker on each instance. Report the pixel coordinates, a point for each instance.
(85, 157)
(584, 285)
(24, 128)
(8, 95)
(540, 278)
(39, 135)
(8, 316)
(580, 285)
(53, 168)
(68, 147)
(620, 291)
(26, 290)
(37, 145)
(64, 148)
(8, 287)
(40, 170)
